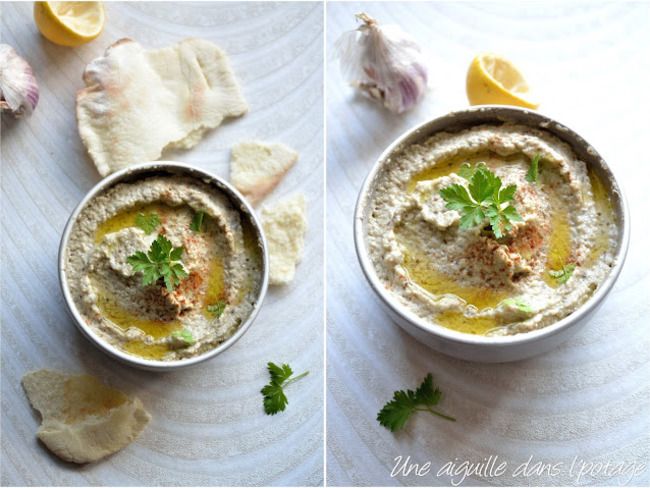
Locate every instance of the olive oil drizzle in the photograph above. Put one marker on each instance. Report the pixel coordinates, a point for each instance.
(216, 289)
(423, 274)
(559, 242)
(605, 214)
(126, 218)
(110, 308)
(125, 319)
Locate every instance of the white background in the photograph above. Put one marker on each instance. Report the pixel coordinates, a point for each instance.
(590, 397)
(208, 424)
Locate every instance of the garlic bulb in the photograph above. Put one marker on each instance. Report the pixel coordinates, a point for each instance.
(18, 87)
(383, 62)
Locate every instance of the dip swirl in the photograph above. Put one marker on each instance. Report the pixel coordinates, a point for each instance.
(223, 261)
(466, 279)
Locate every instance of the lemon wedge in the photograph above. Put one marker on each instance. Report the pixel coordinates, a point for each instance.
(69, 23)
(492, 79)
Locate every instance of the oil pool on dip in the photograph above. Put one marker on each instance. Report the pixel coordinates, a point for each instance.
(222, 260)
(462, 279)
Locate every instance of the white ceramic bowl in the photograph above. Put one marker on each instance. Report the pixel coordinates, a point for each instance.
(134, 173)
(476, 347)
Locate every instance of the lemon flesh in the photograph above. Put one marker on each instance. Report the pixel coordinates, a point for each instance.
(69, 23)
(492, 79)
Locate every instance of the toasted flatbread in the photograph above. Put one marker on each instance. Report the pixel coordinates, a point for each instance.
(139, 102)
(257, 167)
(285, 225)
(82, 419)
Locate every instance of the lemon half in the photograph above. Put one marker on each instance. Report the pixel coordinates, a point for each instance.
(492, 79)
(69, 23)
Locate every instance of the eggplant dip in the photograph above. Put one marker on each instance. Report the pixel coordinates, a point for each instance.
(163, 268)
(494, 230)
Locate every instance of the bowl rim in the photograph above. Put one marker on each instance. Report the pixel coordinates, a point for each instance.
(139, 171)
(421, 131)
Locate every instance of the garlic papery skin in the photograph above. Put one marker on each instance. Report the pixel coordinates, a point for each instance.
(384, 63)
(18, 87)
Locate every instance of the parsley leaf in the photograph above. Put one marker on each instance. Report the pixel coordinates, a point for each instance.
(217, 309)
(197, 221)
(533, 171)
(486, 199)
(148, 223)
(519, 304)
(563, 275)
(466, 171)
(274, 398)
(161, 261)
(185, 336)
(396, 413)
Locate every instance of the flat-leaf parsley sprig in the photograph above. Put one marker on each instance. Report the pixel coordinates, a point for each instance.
(161, 261)
(274, 398)
(486, 200)
(395, 413)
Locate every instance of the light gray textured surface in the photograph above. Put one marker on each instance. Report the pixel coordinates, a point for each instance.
(208, 425)
(590, 397)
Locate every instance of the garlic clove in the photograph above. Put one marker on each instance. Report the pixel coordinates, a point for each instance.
(384, 63)
(18, 87)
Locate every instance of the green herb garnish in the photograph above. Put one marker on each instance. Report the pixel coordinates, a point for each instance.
(274, 398)
(217, 309)
(563, 275)
(197, 221)
(395, 413)
(533, 171)
(466, 171)
(519, 304)
(161, 261)
(184, 335)
(148, 223)
(485, 200)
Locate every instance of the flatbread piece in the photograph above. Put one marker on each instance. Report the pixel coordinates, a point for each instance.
(83, 420)
(139, 102)
(285, 225)
(256, 168)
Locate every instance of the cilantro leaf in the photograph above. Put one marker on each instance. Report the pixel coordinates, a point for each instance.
(563, 275)
(533, 171)
(161, 261)
(217, 309)
(396, 413)
(274, 398)
(185, 336)
(197, 221)
(486, 200)
(147, 222)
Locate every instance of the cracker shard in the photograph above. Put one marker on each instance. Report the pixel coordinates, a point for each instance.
(139, 102)
(284, 226)
(256, 168)
(83, 420)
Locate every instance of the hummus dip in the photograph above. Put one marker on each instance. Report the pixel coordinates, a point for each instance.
(222, 259)
(466, 279)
